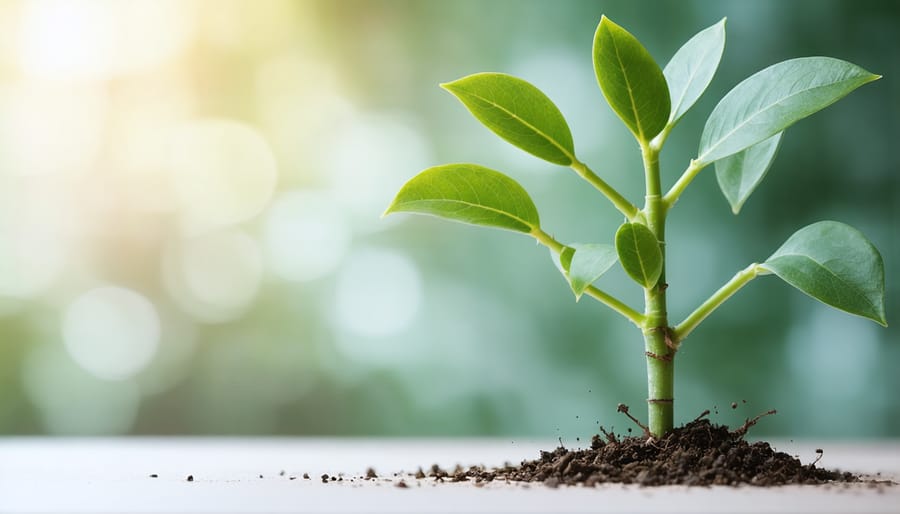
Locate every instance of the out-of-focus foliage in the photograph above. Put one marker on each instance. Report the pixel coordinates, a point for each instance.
(191, 241)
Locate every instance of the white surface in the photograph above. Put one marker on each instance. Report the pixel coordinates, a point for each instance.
(112, 475)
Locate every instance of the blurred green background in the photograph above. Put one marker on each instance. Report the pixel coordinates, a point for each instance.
(191, 241)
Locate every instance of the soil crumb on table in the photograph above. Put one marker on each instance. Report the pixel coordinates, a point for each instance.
(699, 453)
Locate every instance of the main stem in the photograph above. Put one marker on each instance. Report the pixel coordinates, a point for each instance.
(659, 340)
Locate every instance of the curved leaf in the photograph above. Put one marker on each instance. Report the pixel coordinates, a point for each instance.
(639, 253)
(518, 112)
(471, 194)
(835, 264)
(774, 99)
(740, 173)
(563, 260)
(589, 262)
(631, 81)
(692, 67)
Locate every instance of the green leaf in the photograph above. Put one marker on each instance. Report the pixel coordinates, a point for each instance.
(588, 263)
(563, 260)
(835, 264)
(740, 173)
(774, 99)
(518, 112)
(692, 67)
(471, 194)
(639, 253)
(631, 81)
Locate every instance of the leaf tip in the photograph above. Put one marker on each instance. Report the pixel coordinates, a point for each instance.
(389, 210)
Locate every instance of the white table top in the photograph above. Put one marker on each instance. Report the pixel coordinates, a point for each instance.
(113, 475)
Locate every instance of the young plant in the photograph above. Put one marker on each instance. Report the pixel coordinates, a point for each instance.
(828, 260)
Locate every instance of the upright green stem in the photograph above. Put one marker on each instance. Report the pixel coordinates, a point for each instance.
(659, 341)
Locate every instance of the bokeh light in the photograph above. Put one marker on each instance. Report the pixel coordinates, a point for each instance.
(306, 235)
(71, 400)
(224, 173)
(111, 332)
(192, 240)
(214, 277)
(378, 293)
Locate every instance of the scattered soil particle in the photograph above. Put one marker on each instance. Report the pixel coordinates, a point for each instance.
(281, 473)
(370, 473)
(420, 474)
(401, 484)
(734, 405)
(305, 476)
(699, 453)
(190, 478)
(325, 478)
(260, 475)
(292, 478)
(154, 475)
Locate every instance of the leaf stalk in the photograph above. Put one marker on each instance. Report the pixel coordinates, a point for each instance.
(603, 297)
(620, 202)
(739, 280)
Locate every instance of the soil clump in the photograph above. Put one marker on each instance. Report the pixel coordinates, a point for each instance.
(699, 453)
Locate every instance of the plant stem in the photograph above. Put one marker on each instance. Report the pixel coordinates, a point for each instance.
(740, 279)
(615, 304)
(659, 343)
(595, 293)
(620, 202)
(675, 192)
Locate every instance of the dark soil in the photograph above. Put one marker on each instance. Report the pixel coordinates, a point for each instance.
(699, 453)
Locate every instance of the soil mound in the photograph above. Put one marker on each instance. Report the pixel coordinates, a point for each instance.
(699, 453)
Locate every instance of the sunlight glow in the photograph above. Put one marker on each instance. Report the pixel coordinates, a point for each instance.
(99, 39)
(111, 332)
(223, 171)
(214, 277)
(379, 293)
(306, 236)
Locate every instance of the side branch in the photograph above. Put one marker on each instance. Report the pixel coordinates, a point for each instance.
(620, 202)
(595, 293)
(683, 182)
(741, 279)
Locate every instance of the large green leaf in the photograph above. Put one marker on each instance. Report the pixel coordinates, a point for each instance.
(471, 194)
(773, 99)
(518, 112)
(692, 67)
(740, 173)
(589, 262)
(631, 81)
(835, 264)
(639, 253)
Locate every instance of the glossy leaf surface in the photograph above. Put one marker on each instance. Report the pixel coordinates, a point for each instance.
(518, 112)
(691, 69)
(835, 264)
(739, 174)
(631, 81)
(471, 194)
(639, 253)
(773, 99)
(589, 262)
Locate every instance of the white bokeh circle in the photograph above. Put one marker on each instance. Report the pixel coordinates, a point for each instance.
(111, 332)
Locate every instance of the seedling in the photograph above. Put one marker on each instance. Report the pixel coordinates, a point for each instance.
(829, 261)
